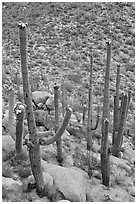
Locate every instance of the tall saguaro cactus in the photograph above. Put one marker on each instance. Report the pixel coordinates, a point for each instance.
(56, 101)
(89, 122)
(105, 118)
(34, 150)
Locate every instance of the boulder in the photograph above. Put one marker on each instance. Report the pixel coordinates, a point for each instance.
(8, 145)
(11, 185)
(48, 180)
(40, 96)
(63, 201)
(129, 154)
(69, 181)
(120, 163)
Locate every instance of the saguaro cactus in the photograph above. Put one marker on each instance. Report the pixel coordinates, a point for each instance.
(34, 143)
(34, 150)
(89, 122)
(105, 117)
(56, 101)
(120, 114)
(122, 117)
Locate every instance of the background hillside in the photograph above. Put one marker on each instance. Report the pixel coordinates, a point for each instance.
(61, 37)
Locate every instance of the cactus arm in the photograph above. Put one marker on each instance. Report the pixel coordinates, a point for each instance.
(64, 97)
(56, 96)
(97, 121)
(18, 87)
(122, 120)
(116, 107)
(19, 128)
(31, 81)
(89, 122)
(11, 111)
(59, 143)
(129, 99)
(117, 145)
(34, 151)
(60, 131)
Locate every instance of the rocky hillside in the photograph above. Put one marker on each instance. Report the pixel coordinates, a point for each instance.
(61, 37)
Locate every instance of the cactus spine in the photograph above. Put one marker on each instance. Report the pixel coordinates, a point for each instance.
(105, 117)
(56, 101)
(34, 150)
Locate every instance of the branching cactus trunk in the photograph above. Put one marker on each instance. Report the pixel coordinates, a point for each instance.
(56, 101)
(34, 148)
(120, 115)
(11, 112)
(105, 115)
(123, 110)
(20, 110)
